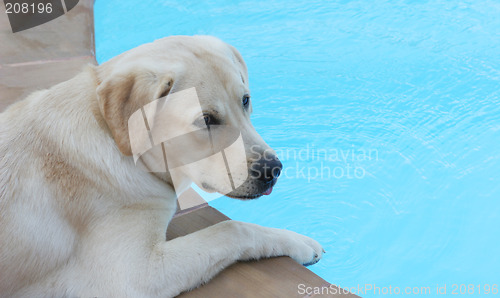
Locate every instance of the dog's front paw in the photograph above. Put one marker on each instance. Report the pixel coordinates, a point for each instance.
(302, 249)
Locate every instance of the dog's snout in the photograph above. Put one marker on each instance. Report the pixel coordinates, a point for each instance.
(267, 169)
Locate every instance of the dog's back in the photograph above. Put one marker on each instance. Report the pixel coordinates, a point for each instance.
(35, 237)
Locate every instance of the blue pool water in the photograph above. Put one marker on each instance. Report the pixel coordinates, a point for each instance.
(386, 115)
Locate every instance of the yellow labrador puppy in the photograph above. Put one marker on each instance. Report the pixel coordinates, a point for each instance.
(80, 215)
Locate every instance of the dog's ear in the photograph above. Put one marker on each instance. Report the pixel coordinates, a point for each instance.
(121, 95)
(238, 60)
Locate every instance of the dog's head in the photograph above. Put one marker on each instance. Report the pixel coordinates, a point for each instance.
(188, 100)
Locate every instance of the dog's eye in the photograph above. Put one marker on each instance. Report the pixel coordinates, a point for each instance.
(205, 120)
(208, 119)
(245, 100)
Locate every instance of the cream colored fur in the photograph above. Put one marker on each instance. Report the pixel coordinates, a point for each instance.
(77, 216)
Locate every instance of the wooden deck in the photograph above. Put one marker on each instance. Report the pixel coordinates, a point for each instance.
(275, 277)
(54, 52)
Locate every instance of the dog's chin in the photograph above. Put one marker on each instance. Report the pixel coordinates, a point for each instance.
(244, 197)
(249, 190)
(240, 193)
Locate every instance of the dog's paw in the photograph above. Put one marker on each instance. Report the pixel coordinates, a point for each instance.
(302, 249)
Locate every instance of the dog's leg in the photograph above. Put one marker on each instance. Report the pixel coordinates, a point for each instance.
(186, 262)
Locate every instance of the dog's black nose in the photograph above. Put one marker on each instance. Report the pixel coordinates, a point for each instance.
(267, 168)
